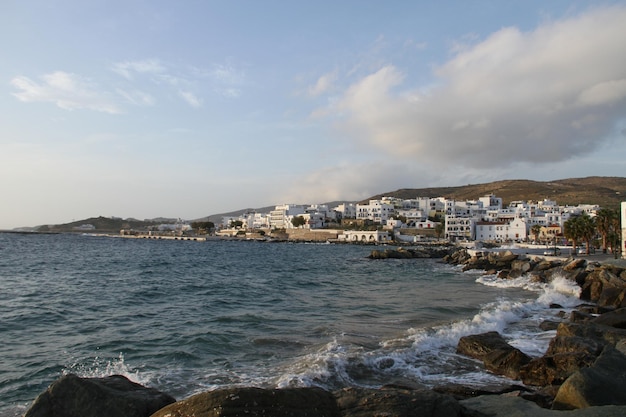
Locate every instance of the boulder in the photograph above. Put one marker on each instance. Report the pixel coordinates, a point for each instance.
(315, 402)
(601, 280)
(477, 346)
(522, 265)
(249, 401)
(497, 355)
(591, 330)
(566, 354)
(575, 264)
(600, 384)
(616, 318)
(504, 406)
(113, 396)
(553, 369)
(364, 402)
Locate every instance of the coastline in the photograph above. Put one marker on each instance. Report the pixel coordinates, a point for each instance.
(517, 396)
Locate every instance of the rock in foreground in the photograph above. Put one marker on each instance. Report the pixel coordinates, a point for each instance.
(503, 406)
(293, 402)
(113, 396)
(315, 402)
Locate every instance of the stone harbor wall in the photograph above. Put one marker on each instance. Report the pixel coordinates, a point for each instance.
(583, 369)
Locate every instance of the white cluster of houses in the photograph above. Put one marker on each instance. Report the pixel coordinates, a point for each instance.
(484, 219)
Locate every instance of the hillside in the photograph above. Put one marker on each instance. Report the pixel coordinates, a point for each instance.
(607, 192)
(102, 225)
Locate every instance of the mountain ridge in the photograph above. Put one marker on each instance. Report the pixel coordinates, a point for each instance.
(607, 192)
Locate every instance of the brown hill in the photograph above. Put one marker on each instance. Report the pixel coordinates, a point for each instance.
(607, 192)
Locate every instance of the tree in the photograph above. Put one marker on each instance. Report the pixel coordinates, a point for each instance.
(572, 230)
(605, 225)
(236, 224)
(298, 221)
(580, 228)
(535, 230)
(588, 229)
(440, 228)
(202, 226)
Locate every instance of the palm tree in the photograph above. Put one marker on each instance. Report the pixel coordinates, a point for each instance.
(604, 224)
(588, 229)
(572, 229)
(614, 235)
(535, 230)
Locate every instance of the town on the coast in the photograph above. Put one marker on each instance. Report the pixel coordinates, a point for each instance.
(420, 220)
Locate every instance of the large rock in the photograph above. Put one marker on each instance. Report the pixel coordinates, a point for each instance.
(553, 369)
(605, 286)
(498, 356)
(615, 318)
(591, 330)
(503, 406)
(575, 346)
(362, 402)
(601, 384)
(113, 396)
(291, 402)
(314, 402)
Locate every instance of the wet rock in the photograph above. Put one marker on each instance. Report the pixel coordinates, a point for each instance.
(553, 369)
(548, 325)
(615, 318)
(591, 330)
(506, 406)
(362, 402)
(604, 286)
(600, 384)
(291, 402)
(315, 402)
(411, 253)
(497, 355)
(113, 396)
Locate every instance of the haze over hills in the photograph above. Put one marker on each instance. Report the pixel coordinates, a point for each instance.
(607, 192)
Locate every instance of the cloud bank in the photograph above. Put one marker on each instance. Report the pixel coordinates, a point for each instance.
(543, 96)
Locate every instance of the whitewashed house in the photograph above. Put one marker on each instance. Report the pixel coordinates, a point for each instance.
(280, 217)
(376, 210)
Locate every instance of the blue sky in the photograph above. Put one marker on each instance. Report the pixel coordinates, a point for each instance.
(185, 109)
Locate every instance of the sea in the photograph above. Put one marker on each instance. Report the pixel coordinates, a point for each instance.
(186, 316)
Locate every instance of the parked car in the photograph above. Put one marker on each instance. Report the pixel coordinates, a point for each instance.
(552, 252)
(583, 250)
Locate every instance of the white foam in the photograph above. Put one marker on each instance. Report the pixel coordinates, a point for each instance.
(428, 355)
(101, 367)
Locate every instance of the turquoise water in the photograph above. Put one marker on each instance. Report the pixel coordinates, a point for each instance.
(185, 316)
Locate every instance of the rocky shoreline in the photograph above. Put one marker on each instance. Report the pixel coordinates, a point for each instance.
(583, 369)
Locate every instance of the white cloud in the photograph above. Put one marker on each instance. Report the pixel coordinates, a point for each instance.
(128, 68)
(191, 98)
(323, 84)
(137, 97)
(540, 96)
(68, 91)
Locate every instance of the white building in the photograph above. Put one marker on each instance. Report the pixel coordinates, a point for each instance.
(280, 217)
(514, 230)
(376, 210)
(623, 207)
(345, 211)
(361, 236)
(460, 228)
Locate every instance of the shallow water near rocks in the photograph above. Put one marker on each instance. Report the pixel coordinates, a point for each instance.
(185, 316)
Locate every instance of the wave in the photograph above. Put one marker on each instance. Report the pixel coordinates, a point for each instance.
(427, 356)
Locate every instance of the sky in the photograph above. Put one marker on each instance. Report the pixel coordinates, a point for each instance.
(153, 108)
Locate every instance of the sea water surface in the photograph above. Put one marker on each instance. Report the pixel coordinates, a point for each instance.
(186, 317)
